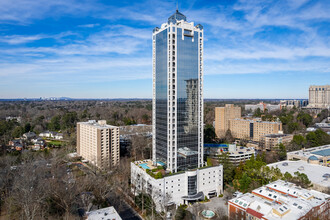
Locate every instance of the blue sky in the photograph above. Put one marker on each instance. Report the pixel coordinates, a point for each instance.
(102, 49)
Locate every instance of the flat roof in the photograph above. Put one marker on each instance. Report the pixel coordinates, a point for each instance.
(311, 151)
(264, 200)
(314, 172)
(325, 152)
(278, 135)
(95, 124)
(105, 213)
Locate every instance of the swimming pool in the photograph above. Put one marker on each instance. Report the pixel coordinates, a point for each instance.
(144, 166)
(161, 163)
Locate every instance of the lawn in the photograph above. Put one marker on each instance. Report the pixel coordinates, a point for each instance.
(55, 143)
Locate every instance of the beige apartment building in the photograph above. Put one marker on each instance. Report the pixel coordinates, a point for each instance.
(253, 129)
(98, 143)
(222, 117)
(319, 96)
(241, 128)
(271, 141)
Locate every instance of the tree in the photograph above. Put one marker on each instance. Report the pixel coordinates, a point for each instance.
(301, 179)
(209, 134)
(305, 118)
(27, 127)
(209, 162)
(287, 176)
(69, 120)
(299, 140)
(146, 118)
(244, 182)
(292, 126)
(281, 151)
(228, 168)
(257, 113)
(18, 131)
(317, 138)
(159, 175)
(182, 214)
(229, 137)
(55, 123)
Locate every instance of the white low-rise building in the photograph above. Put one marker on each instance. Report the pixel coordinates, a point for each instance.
(280, 200)
(321, 153)
(178, 188)
(105, 213)
(239, 154)
(236, 154)
(317, 174)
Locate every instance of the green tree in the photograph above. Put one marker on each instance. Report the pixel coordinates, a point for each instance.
(228, 168)
(159, 175)
(69, 120)
(305, 118)
(301, 179)
(287, 176)
(293, 126)
(281, 151)
(209, 134)
(209, 162)
(84, 114)
(129, 121)
(244, 182)
(312, 139)
(257, 113)
(55, 123)
(299, 140)
(27, 127)
(18, 131)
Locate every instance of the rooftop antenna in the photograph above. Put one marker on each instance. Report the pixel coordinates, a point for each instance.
(177, 5)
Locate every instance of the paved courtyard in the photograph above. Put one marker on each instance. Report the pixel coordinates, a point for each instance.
(216, 204)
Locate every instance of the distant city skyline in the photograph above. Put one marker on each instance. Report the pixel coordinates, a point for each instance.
(98, 49)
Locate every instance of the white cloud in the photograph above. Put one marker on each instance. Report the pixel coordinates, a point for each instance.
(21, 39)
(89, 25)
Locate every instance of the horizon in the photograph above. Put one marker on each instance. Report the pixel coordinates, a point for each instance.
(102, 49)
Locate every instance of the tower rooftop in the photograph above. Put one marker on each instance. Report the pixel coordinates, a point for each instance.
(177, 16)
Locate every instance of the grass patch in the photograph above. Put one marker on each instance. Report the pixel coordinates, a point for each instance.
(55, 143)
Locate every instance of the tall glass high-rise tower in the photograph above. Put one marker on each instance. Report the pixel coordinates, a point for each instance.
(178, 94)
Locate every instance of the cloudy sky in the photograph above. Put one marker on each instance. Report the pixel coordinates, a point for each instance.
(102, 49)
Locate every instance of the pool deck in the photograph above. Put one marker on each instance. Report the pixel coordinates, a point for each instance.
(147, 163)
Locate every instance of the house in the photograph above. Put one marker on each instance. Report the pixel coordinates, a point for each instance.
(36, 147)
(19, 147)
(48, 134)
(15, 142)
(58, 136)
(36, 139)
(30, 135)
(51, 134)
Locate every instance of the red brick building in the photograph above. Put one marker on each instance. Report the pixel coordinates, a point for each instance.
(280, 200)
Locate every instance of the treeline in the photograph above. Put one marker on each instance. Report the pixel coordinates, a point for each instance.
(311, 139)
(254, 173)
(62, 116)
(294, 120)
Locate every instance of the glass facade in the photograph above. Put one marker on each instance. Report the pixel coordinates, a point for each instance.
(177, 99)
(192, 185)
(187, 99)
(161, 96)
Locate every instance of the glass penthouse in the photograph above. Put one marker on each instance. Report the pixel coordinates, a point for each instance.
(178, 94)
